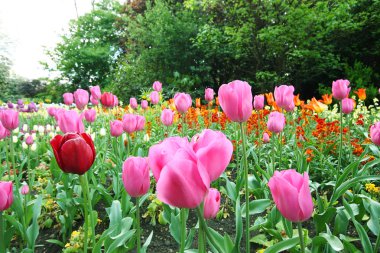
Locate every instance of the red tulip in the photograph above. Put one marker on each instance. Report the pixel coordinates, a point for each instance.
(75, 153)
(108, 100)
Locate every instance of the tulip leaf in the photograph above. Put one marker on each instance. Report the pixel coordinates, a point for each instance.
(33, 230)
(283, 245)
(175, 227)
(147, 243)
(323, 218)
(239, 225)
(256, 206)
(333, 241)
(288, 227)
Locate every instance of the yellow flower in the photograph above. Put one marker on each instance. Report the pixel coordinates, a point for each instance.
(75, 233)
(67, 245)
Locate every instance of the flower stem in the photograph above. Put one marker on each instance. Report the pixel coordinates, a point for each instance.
(341, 139)
(87, 208)
(138, 232)
(2, 230)
(201, 234)
(183, 229)
(377, 245)
(13, 162)
(247, 235)
(280, 150)
(300, 234)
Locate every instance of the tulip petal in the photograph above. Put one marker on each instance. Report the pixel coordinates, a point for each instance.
(76, 156)
(3, 199)
(305, 200)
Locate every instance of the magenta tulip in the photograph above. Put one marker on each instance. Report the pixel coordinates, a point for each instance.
(9, 119)
(81, 98)
(93, 100)
(24, 189)
(115, 100)
(51, 111)
(209, 94)
(154, 97)
(214, 152)
(266, 138)
(284, 97)
(90, 115)
(29, 140)
(70, 121)
(144, 104)
(375, 133)
(95, 92)
(140, 124)
(157, 86)
(167, 116)
(347, 105)
(235, 98)
(276, 122)
(211, 204)
(129, 123)
(6, 195)
(135, 176)
(116, 128)
(4, 133)
(108, 100)
(182, 102)
(340, 89)
(291, 194)
(258, 102)
(68, 98)
(133, 103)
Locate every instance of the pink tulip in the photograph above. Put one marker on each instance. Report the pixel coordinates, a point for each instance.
(68, 98)
(340, 89)
(182, 102)
(160, 154)
(182, 183)
(347, 105)
(258, 102)
(167, 116)
(108, 100)
(154, 97)
(129, 123)
(93, 100)
(276, 122)
(95, 92)
(29, 140)
(136, 176)
(266, 138)
(284, 97)
(116, 100)
(157, 86)
(291, 194)
(6, 195)
(4, 133)
(51, 111)
(116, 128)
(214, 152)
(375, 133)
(70, 121)
(235, 98)
(133, 103)
(209, 94)
(144, 104)
(81, 98)
(140, 122)
(90, 115)
(24, 189)
(211, 204)
(9, 118)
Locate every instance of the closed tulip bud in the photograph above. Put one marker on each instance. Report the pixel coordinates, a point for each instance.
(167, 116)
(90, 115)
(154, 97)
(4, 133)
(116, 101)
(108, 100)
(93, 100)
(347, 105)
(9, 119)
(24, 189)
(140, 124)
(95, 92)
(135, 176)
(133, 103)
(68, 98)
(291, 194)
(6, 195)
(258, 102)
(144, 104)
(235, 98)
(209, 94)
(182, 102)
(211, 204)
(284, 97)
(29, 140)
(375, 133)
(51, 111)
(75, 153)
(266, 138)
(276, 122)
(157, 86)
(81, 98)
(340, 89)
(129, 123)
(116, 127)
(70, 121)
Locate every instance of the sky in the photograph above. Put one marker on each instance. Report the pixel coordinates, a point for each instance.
(30, 26)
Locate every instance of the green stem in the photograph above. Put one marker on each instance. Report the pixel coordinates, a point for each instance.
(87, 208)
(247, 235)
(280, 151)
(340, 140)
(7, 162)
(273, 155)
(377, 245)
(2, 230)
(138, 231)
(183, 230)
(15, 177)
(300, 235)
(201, 235)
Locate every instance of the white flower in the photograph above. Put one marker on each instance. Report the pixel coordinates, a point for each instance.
(25, 127)
(15, 139)
(48, 127)
(35, 127)
(102, 131)
(34, 135)
(93, 136)
(51, 134)
(26, 135)
(57, 129)
(16, 131)
(24, 145)
(33, 147)
(146, 137)
(41, 129)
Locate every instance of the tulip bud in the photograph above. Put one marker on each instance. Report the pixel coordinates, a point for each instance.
(211, 204)
(29, 140)
(81, 98)
(258, 102)
(25, 189)
(6, 195)
(266, 138)
(68, 98)
(375, 133)
(209, 94)
(182, 102)
(144, 104)
(133, 103)
(347, 105)
(116, 128)
(340, 89)
(154, 97)
(167, 117)
(276, 122)
(135, 176)
(157, 86)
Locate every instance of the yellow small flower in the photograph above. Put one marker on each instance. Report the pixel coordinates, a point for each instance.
(75, 233)
(67, 245)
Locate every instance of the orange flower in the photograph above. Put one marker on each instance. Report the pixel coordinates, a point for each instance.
(198, 102)
(316, 106)
(217, 101)
(297, 101)
(361, 94)
(327, 99)
(269, 97)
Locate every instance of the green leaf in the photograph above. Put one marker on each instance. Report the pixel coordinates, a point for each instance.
(147, 242)
(283, 245)
(333, 241)
(256, 206)
(33, 230)
(323, 218)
